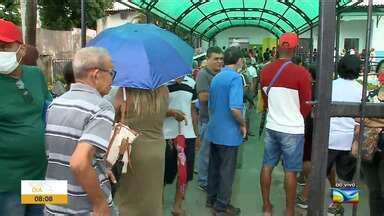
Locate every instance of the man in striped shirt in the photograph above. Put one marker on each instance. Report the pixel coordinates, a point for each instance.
(79, 125)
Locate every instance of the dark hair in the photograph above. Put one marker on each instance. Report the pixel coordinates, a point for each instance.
(379, 65)
(349, 67)
(214, 49)
(232, 55)
(68, 74)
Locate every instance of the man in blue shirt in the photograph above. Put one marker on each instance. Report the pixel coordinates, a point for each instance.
(226, 129)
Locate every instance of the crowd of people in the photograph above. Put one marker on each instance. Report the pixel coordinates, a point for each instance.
(66, 138)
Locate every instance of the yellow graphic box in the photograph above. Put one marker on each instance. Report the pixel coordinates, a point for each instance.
(44, 192)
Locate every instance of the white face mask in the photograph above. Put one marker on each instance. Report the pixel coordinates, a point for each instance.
(8, 62)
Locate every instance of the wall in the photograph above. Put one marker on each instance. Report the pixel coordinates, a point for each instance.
(255, 35)
(356, 28)
(204, 45)
(118, 19)
(60, 44)
(269, 42)
(378, 34)
(348, 29)
(351, 27)
(308, 35)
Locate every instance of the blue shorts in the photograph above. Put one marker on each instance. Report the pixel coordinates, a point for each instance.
(290, 146)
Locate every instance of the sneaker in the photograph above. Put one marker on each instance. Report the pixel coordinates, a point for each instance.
(195, 171)
(336, 209)
(209, 204)
(301, 203)
(301, 180)
(251, 134)
(230, 211)
(203, 188)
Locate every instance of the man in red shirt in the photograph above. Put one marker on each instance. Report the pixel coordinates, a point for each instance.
(286, 88)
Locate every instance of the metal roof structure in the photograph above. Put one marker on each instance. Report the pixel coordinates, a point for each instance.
(209, 17)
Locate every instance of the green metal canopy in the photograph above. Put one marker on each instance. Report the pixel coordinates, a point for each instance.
(209, 17)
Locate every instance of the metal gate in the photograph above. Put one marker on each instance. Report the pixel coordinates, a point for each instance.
(325, 109)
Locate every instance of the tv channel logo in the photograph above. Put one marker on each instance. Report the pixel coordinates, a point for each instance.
(345, 193)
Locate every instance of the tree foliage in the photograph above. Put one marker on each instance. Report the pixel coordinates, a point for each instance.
(9, 10)
(67, 14)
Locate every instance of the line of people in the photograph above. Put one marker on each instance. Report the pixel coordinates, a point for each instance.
(68, 139)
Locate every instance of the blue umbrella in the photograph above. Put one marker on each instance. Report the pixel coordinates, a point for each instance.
(145, 56)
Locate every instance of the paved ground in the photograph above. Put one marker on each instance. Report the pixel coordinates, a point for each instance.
(246, 190)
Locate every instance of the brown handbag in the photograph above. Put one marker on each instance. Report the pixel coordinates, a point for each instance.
(370, 144)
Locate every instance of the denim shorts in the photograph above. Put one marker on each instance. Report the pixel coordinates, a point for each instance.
(288, 146)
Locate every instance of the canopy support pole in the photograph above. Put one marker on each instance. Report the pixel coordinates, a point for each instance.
(311, 46)
(337, 56)
(363, 107)
(325, 66)
(83, 26)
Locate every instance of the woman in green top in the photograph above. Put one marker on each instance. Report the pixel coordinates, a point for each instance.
(24, 97)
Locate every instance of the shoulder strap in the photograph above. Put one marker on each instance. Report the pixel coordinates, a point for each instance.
(277, 75)
(123, 107)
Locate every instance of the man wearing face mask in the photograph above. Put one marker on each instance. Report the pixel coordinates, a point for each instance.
(23, 98)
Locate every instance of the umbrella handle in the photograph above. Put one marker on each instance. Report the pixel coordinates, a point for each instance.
(124, 95)
(123, 107)
(179, 127)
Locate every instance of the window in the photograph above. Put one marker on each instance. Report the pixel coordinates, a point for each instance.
(243, 43)
(351, 43)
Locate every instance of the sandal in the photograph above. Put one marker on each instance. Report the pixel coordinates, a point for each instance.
(268, 213)
(182, 213)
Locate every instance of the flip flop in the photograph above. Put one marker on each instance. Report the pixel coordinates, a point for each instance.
(182, 213)
(267, 213)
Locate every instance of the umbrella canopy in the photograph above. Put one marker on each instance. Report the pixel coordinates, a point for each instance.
(145, 56)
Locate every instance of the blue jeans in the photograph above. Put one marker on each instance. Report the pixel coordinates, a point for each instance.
(203, 160)
(222, 167)
(290, 146)
(10, 203)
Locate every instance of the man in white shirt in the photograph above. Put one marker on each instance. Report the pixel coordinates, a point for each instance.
(182, 96)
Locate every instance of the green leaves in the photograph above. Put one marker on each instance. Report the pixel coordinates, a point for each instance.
(67, 14)
(59, 15)
(9, 10)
